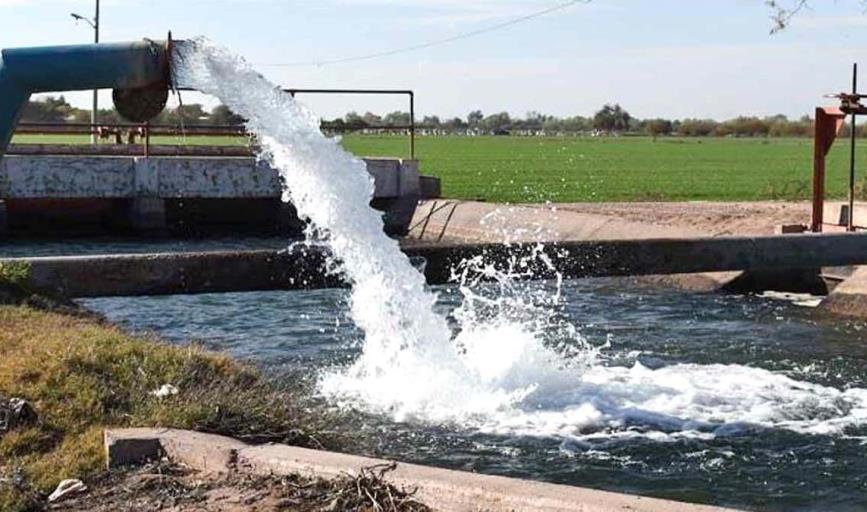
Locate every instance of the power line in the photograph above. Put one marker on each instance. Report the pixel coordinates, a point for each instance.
(438, 42)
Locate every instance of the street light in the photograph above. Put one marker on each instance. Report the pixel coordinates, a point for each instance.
(94, 23)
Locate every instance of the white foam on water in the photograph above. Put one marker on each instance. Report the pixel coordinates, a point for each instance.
(511, 367)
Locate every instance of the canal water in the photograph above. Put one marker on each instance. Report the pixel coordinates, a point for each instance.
(740, 401)
(792, 457)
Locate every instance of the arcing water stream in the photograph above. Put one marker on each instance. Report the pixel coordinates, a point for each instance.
(506, 362)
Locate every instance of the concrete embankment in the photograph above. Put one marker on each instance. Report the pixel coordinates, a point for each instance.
(849, 298)
(441, 220)
(441, 489)
(304, 267)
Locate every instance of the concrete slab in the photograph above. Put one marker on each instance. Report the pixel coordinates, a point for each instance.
(201, 177)
(303, 267)
(206, 452)
(849, 298)
(442, 489)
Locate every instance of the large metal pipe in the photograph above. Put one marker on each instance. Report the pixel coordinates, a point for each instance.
(304, 267)
(27, 71)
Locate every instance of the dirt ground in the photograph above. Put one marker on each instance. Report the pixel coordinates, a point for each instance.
(713, 218)
(174, 488)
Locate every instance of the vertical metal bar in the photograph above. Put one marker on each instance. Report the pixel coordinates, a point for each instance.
(819, 144)
(147, 137)
(412, 125)
(850, 222)
(94, 114)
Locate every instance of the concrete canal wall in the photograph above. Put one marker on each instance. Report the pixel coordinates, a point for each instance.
(441, 489)
(303, 266)
(149, 190)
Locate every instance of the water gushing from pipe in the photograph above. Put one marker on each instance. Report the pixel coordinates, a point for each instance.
(512, 367)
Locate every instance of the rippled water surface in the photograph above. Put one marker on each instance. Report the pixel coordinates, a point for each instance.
(749, 466)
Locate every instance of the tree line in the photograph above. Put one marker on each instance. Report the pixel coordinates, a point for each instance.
(611, 119)
(57, 110)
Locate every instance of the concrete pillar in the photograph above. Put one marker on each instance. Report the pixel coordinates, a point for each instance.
(408, 179)
(431, 188)
(148, 210)
(398, 213)
(148, 215)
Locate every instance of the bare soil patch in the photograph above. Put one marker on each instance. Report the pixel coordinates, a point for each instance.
(714, 218)
(176, 488)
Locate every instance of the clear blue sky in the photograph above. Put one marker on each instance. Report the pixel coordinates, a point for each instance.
(673, 58)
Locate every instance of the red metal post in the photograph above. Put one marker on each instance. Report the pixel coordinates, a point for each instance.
(829, 122)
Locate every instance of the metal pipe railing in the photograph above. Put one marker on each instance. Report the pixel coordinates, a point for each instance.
(147, 130)
(406, 92)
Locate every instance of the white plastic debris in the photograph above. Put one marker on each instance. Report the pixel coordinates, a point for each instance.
(165, 391)
(66, 488)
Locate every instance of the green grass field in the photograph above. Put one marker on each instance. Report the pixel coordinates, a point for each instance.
(517, 169)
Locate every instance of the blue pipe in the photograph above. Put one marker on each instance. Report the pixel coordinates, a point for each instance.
(26, 71)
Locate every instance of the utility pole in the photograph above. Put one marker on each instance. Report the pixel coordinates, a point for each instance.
(94, 113)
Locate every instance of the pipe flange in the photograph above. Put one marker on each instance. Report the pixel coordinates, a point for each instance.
(141, 104)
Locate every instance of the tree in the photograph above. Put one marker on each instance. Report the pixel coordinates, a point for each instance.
(475, 118)
(371, 119)
(534, 120)
(657, 127)
(431, 122)
(612, 118)
(577, 124)
(498, 124)
(109, 116)
(223, 115)
(782, 11)
(396, 118)
(354, 121)
(697, 127)
(456, 124)
(48, 110)
(192, 114)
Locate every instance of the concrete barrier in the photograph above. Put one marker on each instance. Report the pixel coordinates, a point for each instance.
(69, 177)
(849, 298)
(441, 489)
(152, 185)
(303, 266)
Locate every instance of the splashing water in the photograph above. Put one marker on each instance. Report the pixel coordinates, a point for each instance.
(512, 367)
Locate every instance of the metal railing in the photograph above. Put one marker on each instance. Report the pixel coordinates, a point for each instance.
(403, 92)
(145, 131)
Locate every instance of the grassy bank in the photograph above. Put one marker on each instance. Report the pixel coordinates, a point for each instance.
(82, 375)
